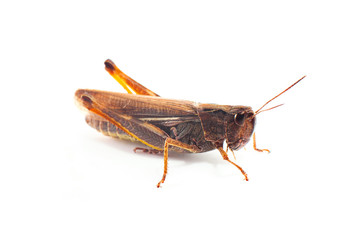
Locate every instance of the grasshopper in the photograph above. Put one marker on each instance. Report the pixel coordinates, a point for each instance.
(166, 124)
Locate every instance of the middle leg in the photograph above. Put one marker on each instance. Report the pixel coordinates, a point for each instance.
(175, 143)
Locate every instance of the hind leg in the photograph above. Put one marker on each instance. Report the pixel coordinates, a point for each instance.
(126, 81)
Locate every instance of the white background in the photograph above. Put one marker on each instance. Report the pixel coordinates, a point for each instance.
(60, 179)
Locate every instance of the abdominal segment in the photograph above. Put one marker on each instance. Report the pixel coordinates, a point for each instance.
(107, 128)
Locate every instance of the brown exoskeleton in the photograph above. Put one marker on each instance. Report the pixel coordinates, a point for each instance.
(164, 124)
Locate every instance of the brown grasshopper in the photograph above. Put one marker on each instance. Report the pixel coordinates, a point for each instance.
(166, 124)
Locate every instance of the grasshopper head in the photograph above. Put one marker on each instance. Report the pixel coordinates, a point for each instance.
(240, 129)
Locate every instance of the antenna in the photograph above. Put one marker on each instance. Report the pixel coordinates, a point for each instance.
(259, 110)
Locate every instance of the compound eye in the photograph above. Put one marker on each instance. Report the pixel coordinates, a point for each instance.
(239, 118)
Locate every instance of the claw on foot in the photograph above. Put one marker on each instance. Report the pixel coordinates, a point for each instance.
(159, 184)
(263, 150)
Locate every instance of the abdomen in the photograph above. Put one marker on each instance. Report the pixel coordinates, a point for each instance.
(191, 134)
